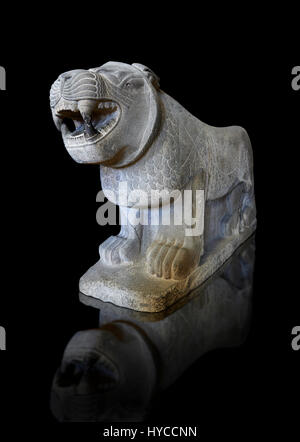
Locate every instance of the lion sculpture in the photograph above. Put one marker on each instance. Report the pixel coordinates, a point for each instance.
(118, 117)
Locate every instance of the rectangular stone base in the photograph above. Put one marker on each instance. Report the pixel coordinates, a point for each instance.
(132, 287)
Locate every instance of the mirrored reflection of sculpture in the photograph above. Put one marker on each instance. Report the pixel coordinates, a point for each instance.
(149, 146)
(114, 371)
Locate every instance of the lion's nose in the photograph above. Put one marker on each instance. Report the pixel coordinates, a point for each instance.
(77, 85)
(82, 85)
(61, 87)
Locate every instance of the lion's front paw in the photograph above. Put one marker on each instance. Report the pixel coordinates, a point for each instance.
(173, 259)
(117, 250)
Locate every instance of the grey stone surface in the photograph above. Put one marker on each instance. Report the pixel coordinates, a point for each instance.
(139, 135)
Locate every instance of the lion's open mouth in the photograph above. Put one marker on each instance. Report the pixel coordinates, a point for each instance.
(80, 129)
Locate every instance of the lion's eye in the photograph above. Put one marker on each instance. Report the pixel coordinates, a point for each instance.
(134, 83)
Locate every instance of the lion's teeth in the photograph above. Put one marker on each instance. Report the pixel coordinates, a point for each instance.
(105, 105)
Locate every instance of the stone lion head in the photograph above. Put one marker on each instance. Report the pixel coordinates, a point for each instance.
(107, 115)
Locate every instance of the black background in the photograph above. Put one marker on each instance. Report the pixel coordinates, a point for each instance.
(51, 235)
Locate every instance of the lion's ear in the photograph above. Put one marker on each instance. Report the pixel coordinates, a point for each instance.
(148, 73)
